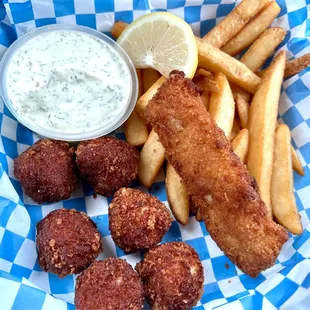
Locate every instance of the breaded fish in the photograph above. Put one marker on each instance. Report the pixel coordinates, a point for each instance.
(218, 182)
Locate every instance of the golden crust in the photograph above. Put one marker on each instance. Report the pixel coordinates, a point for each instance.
(172, 276)
(109, 284)
(137, 220)
(219, 183)
(67, 241)
(46, 171)
(295, 66)
(107, 163)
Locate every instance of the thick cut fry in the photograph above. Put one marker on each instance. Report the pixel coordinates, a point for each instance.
(205, 89)
(292, 67)
(236, 90)
(262, 124)
(243, 111)
(282, 194)
(140, 85)
(118, 28)
(222, 105)
(203, 72)
(263, 47)
(149, 77)
(240, 144)
(136, 132)
(212, 59)
(144, 99)
(297, 166)
(234, 22)
(177, 196)
(250, 32)
(295, 66)
(206, 83)
(235, 129)
(152, 157)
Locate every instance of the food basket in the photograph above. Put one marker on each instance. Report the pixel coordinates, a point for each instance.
(23, 285)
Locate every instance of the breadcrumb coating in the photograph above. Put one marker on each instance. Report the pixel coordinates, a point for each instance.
(137, 220)
(67, 241)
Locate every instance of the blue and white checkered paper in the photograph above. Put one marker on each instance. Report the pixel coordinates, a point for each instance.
(23, 285)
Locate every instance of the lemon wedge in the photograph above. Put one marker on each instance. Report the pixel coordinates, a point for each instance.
(161, 41)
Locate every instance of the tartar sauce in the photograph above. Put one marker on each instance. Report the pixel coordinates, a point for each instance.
(68, 81)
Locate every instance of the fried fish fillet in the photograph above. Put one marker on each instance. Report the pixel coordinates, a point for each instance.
(218, 182)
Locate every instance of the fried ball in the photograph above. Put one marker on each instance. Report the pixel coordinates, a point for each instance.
(107, 285)
(107, 163)
(67, 241)
(46, 171)
(172, 276)
(137, 220)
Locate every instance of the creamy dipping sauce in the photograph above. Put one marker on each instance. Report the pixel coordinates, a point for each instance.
(68, 81)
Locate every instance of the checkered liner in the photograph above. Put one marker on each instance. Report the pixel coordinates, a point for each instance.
(23, 285)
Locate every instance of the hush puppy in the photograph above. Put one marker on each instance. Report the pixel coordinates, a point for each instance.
(137, 220)
(67, 241)
(107, 163)
(46, 171)
(109, 284)
(172, 276)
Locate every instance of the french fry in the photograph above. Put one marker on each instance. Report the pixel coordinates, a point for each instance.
(151, 159)
(240, 144)
(243, 111)
(235, 129)
(177, 195)
(295, 66)
(136, 132)
(251, 31)
(149, 77)
(292, 67)
(203, 72)
(263, 47)
(118, 28)
(205, 91)
(140, 85)
(297, 166)
(282, 194)
(206, 83)
(222, 105)
(210, 58)
(262, 124)
(236, 90)
(144, 99)
(234, 22)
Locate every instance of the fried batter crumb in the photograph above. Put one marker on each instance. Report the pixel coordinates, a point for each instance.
(67, 241)
(109, 285)
(46, 171)
(172, 276)
(107, 163)
(137, 220)
(204, 159)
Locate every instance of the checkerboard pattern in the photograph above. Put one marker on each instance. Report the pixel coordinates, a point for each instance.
(23, 285)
